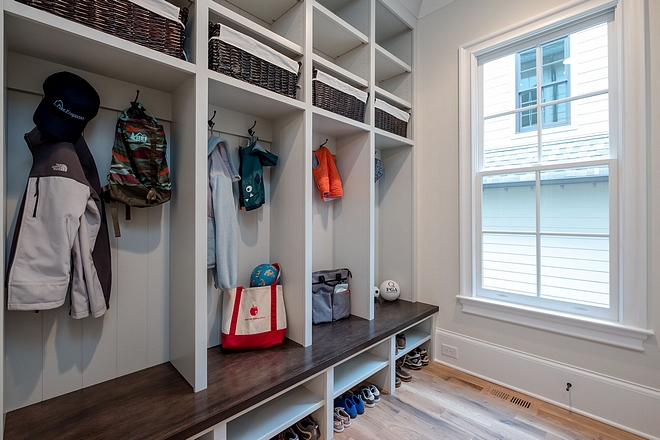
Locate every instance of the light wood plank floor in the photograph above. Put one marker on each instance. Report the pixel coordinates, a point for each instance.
(443, 403)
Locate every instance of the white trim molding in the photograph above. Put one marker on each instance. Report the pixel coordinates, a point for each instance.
(605, 332)
(616, 402)
(629, 328)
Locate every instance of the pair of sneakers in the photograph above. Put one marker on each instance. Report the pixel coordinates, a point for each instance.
(370, 394)
(423, 355)
(401, 373)
(308, 429)
(412, 361)
(352, 404)
(287, 434)
(341, 420)
(416, 359)
(304, 429)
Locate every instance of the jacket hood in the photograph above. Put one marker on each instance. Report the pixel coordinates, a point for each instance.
(213, 143)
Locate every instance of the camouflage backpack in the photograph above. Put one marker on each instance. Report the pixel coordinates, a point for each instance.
(138, 175)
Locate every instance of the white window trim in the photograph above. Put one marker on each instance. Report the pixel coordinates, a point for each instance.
(631, 330)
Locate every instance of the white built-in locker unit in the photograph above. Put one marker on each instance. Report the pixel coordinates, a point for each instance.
(163, 304)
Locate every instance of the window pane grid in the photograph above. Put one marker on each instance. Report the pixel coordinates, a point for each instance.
(589, 140)
(567, 264)
(544, 175)
(545, 104)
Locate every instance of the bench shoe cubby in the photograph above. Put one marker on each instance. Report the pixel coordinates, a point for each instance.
(164, 308)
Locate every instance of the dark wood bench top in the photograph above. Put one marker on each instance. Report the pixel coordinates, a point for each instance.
(157, 403)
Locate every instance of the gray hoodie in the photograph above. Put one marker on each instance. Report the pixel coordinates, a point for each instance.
(222, 226)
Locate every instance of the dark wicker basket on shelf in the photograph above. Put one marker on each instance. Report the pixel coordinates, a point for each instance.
(388, 122)
(237, 63)
(329, 98)
(122, 19)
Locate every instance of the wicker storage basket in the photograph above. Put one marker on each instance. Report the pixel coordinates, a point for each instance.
(126, 19)
(390, 118)
(244, 58)
(338, 97)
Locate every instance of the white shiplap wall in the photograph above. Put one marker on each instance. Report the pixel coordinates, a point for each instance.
(49, 353)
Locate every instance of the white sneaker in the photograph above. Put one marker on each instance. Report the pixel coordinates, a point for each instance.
(367, 397)
(374, 390)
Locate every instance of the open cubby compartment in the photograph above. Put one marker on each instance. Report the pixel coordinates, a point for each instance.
(394, 100)
(275, 232)
(285, 18)
(284, 34)
(418, 335)
(320, 63)
(272, 416)
(393, 34)
(394, 84)
(253, 226)
(393, 54)
(341, 228)
(394, 213)
(275, 46)
(353, 12)
(48, 354)
(370, 365)
(338, 42)
(42, 35)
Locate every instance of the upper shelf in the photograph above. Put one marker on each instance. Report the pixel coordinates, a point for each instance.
(332, 35)
(240, 96)
(388, 66)
(338, 71)
(393, 99)
(43, 35)
(221, 14)
(388, 25)
(335, 125)
(267, 11)
(384, 139)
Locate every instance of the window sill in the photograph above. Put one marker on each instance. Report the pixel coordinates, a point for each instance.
(605, 332)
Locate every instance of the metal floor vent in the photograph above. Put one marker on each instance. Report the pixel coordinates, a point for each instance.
(516, 400)
(499, 393)
(521, 402)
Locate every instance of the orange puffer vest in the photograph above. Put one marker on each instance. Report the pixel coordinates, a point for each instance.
(326, 175)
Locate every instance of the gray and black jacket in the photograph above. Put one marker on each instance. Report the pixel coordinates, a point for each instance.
(60, 218)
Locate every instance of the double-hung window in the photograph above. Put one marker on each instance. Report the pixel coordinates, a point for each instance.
(545, 194)
(542, 177)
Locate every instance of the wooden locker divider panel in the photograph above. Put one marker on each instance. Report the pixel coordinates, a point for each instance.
(353, 220)
(288, 219)
(188, 297)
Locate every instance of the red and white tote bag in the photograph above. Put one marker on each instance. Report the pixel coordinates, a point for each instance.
(253, 317)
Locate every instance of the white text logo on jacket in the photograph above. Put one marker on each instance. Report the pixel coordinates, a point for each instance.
(60, 167)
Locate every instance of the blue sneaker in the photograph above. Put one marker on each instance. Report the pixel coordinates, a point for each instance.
(350, 407)
(357, 401)
(347, 405)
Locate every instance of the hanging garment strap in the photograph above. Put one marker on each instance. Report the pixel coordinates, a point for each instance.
(115, 217)
(153, 166)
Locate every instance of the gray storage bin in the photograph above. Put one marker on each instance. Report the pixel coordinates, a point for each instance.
(330, 295)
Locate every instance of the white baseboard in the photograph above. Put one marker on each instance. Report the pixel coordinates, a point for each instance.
(625, 405)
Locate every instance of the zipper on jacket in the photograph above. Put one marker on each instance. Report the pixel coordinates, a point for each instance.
(36, 195)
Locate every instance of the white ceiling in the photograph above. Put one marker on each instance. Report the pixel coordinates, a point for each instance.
(420, 8)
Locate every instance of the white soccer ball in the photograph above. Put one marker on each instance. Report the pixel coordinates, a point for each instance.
(376, 292)
(389, 290)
